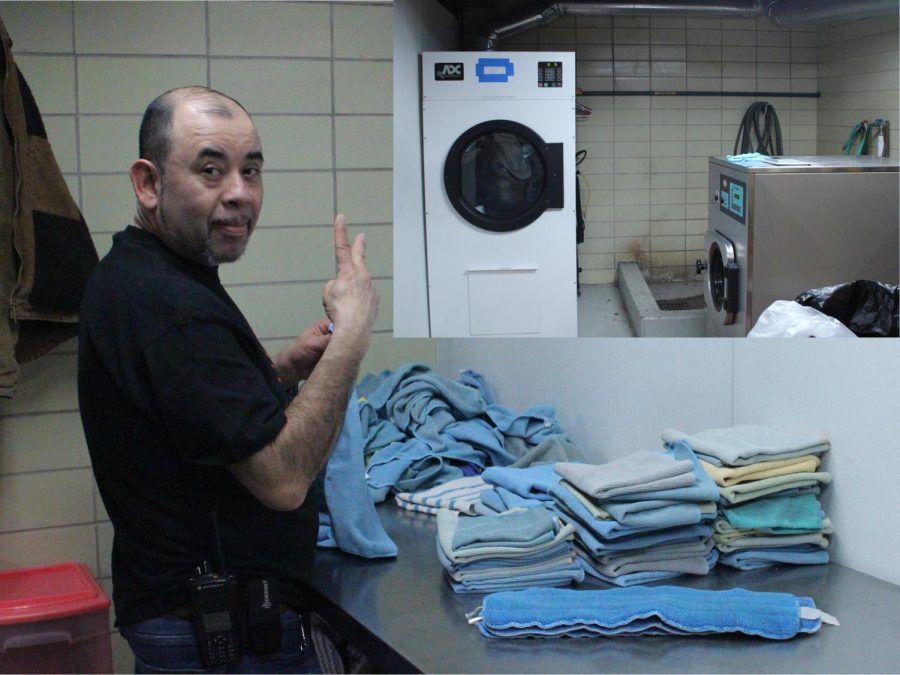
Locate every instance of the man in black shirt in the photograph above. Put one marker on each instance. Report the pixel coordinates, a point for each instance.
(202, 453)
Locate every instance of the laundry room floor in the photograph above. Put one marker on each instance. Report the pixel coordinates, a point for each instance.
(601, 312)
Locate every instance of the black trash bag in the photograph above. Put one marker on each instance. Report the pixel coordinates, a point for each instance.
(868, 308)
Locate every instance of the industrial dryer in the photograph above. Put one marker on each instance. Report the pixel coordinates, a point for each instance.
(498, 144)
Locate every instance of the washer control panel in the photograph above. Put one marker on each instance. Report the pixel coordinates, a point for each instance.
(732, 201)
(550, 74)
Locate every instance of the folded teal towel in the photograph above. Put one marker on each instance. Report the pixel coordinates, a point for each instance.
(802, 512)
(639, 610)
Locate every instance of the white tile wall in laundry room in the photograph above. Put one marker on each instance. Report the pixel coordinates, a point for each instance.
(364, 32)
(657, 147)
(108, 143)
(127, 84)
(297, 198)
(62, 135)
(93, 67)
(270, 29)
(52, 33)
(107, 201)
(292, 142)
(51, 80)
(140, 28)
(858, 76)
(363, 87)
(289, 86)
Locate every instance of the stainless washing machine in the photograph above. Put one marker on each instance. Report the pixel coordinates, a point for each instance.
(783, 225)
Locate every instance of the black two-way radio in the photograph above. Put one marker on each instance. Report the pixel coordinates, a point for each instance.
(216, 611)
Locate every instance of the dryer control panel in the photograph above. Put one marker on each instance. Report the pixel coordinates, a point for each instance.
(732, 200)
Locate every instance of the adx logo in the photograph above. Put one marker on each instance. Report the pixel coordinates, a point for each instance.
(448, 71)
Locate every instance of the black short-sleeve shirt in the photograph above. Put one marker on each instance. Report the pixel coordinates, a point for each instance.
(173, 385)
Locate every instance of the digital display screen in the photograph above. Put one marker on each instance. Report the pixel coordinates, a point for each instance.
(216, 622)
(550, 74)
(732, 198)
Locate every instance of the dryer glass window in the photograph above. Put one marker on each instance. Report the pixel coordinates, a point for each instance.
(502, 175)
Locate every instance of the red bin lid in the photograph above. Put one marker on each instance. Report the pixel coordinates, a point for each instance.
(49, 592)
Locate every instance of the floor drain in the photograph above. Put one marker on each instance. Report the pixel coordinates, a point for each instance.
(679, 304)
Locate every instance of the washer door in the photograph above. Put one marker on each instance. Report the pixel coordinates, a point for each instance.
(722, 274)
(501, 176)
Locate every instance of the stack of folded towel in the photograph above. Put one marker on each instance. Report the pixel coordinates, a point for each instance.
(642, 518)
(768, 481)
(510, 551)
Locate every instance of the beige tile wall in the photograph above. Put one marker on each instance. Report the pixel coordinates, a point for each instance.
(858, 76)
(644, 178)
(317, 77)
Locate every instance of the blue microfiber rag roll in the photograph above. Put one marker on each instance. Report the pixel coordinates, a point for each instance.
(639, 610)
(354, 524)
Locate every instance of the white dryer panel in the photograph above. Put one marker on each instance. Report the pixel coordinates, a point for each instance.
(499, 283)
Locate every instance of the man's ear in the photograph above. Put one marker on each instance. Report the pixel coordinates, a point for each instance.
(145, 181)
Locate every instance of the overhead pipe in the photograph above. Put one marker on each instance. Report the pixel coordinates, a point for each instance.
(780, 12)
(790, 13)
(543, 13)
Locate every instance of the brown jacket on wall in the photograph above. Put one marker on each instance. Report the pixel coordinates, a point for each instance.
(46, 252)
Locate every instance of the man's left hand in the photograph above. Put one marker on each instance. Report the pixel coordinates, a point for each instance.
(296, 361)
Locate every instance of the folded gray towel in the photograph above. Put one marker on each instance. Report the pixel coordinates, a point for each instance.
(747, 444)
(641, 471)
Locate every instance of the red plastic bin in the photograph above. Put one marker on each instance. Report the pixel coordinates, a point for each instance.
(53, 619)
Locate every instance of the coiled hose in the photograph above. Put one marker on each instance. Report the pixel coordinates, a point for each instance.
(760, 122)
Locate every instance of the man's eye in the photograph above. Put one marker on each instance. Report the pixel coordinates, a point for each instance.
(252, 171)
(210, 171)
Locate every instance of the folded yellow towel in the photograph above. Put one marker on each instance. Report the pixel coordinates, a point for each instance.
(732, 475)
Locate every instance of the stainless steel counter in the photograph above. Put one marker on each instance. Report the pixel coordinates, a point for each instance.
(404, 614)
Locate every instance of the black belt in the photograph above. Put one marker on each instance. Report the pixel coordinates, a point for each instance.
(184, 611)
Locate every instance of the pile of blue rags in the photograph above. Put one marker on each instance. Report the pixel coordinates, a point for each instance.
(510, 551)
(421, 429)
(768, 480)
(642, 518)
(658, 610)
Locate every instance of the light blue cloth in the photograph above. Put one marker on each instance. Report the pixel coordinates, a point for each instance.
(563, 576)
(640, 610)
(638, 472)
(499, 500)
(351, 523)
(597, 545)
(702, 489)
(534, 424)
(747, 444)
(532, 482)
(650, 571)
(476, 380)
(653, 520)
(752, 559)
(525, 528)
(747, 158)
(802, 512)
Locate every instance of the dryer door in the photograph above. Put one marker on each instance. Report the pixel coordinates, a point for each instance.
(501, 175)
(722, 274)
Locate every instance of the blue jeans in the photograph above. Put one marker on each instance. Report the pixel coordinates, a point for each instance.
(166, 644)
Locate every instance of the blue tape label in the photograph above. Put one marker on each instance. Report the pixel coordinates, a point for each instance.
(494, 70)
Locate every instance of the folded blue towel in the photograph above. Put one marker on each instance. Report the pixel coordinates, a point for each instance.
(531, 482)
(354, 524)
(752, 559)
(498, 500)
(544, 612)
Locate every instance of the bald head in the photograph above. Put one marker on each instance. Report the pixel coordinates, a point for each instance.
(155, 138)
